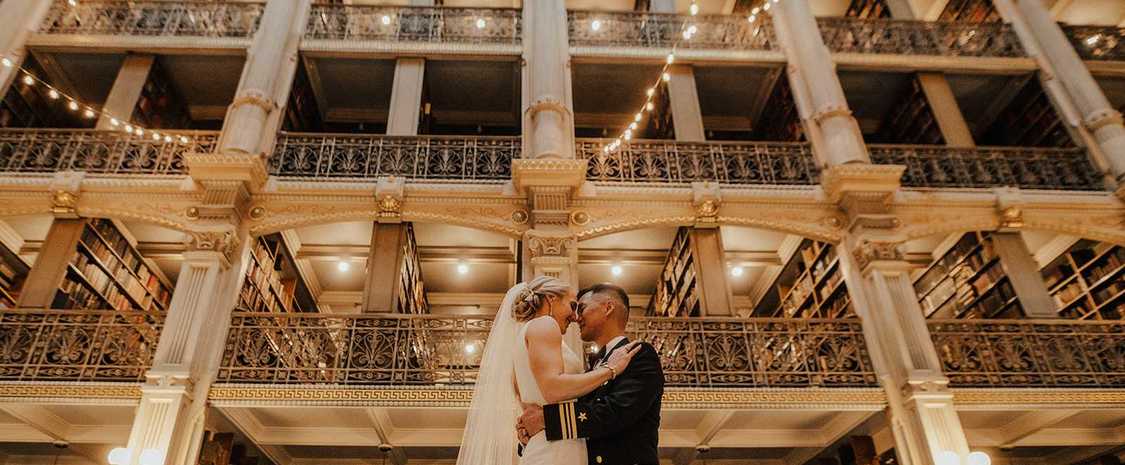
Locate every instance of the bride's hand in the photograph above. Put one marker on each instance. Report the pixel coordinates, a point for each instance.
(620, 358)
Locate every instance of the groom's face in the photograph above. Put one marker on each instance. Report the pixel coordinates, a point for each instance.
(591, 315)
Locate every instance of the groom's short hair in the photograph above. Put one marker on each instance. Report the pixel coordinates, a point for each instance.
(612, 291)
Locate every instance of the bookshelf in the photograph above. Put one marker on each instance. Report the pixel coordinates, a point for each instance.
(272, 283)
(780, 120)
(867, 9)
(970, 11)
(106, 271)
(411, 291)
(1088, 282)
(911, 120)
(677, 293)
(810, 285)
(13, 271)
(968, 281)
(159, 106)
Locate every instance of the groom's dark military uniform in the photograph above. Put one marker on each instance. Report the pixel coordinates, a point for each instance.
(619, 419)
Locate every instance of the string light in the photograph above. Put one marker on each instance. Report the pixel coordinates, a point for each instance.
(89, 112)
(687, 30)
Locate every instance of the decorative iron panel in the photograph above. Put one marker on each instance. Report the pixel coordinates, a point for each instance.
(886, 36)
(1031, 353)
(415, 24)
(426, 350)
(654, 161)
(661, 30)
(105, 152)
(1025, 167)
(154, 18)
(77, 345)
(1097, 42)
(417, 157)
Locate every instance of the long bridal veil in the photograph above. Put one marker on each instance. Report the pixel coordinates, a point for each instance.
(490, 431)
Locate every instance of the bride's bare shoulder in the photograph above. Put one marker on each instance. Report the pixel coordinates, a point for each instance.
(543, 328)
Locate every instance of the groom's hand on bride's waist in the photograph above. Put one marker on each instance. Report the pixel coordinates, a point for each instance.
(530, 422)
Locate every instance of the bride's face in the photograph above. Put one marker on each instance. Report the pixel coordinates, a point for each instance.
(562, 310)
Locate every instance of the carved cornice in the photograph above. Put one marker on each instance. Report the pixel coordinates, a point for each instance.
(246, 395)
(862, 188)
(530, 172)
(218, 166)
(70, 392)
(1031, 398)
(225, 243)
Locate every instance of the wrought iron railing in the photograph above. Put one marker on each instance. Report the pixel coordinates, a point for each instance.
(435, 350)
(660, 30)
(154, 18)
(1098, 42)
(655, 161)
(77, 345)
(451, 158)
(886, 36)
(105, 152)
(415, 24)
(1031, 353)
(1025, 167)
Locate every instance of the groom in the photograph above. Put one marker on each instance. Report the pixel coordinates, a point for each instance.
(619, 419)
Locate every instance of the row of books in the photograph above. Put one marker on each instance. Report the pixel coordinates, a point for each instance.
(10, 280)
(1111, 263)
(122, 254)
(132, 285)
(102, 283)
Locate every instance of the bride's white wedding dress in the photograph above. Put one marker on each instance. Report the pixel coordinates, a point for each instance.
(539, 451)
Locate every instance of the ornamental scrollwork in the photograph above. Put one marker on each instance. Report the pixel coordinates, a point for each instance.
(154, 18)
(97, 152)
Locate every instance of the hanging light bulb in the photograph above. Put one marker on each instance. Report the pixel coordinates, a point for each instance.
(766, 7)
(156, 136)
(29, 80)
(693, 29)
(694, 8)
(88, 113)
(73, 106)
(752, 18)
(386, 20)
(113, 122)
(183, 139)
(595, 25)
(687, 34)
(481, 23)
(649, 106)
(628, 135)
(167, 139)
(139, 132)
(637, 117)
(671, 58)
(650, 91)
(633, 126)
(129, 128)
(755, 11)
(53, 94)
(7, 62)
(667, 77)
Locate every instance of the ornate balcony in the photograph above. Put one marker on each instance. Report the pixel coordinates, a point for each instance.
(154, 18)
(1029, 168)
(439, 158)
(670, 162)
(386, 349)
(1031, 353)
(500, 26)
(76, 345)
(102, 152)
(657, 30)
(884, 36)
(1097, 42)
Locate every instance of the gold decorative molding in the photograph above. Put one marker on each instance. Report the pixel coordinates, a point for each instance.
(75, 392)
(223, 242)
(870, 252)
(1028, 398)
(863, 399)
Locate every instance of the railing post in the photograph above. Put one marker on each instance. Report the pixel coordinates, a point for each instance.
(1045, 40)
(173, 405)
(18, 19)
(834, 132)
(923, 420)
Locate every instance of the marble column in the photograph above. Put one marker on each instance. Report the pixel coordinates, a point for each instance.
(406, 97)
(687, 118)
(126, 90)
(169, 420)
(18, 19)
(548, 119)
(834, 132)
(252, 120)
(923, 419)
(1045, 40)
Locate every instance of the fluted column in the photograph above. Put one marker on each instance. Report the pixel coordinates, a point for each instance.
(1044, 39)
(18, 19)
(255, 115)
(834, 132)
(923, 420)
(169, 421)
(548, 118)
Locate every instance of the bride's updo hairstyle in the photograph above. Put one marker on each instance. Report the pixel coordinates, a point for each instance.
(535, 295)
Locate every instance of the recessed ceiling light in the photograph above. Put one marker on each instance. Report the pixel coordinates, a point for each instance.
(616, 270)
(470, 348)
(462, 268)
(343, 266)
(736, 271)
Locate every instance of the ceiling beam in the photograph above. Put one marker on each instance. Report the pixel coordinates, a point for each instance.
(381, 423)
(38, 417)
(1030, 423)
(316, 85)
(246, 422)
(840, 424)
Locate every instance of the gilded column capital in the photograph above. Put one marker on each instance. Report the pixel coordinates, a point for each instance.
(879, 254)
(211, 245)
(706, 198)
(389, 196)
(65, 188)
(547, 245)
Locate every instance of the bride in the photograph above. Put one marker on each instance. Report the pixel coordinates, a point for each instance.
(525, 360)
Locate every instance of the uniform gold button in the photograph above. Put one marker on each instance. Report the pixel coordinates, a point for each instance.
(598, 459)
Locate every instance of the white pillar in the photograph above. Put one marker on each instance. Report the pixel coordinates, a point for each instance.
(406, 97)
(548, 120)
(1023, 272)
(126, 90)
(1042, 35)
(921, 412)
(711, 271)
(836, 135)
(687, 118)
(18, 19)
(169, 419)
(943, 104)
(255, 115)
